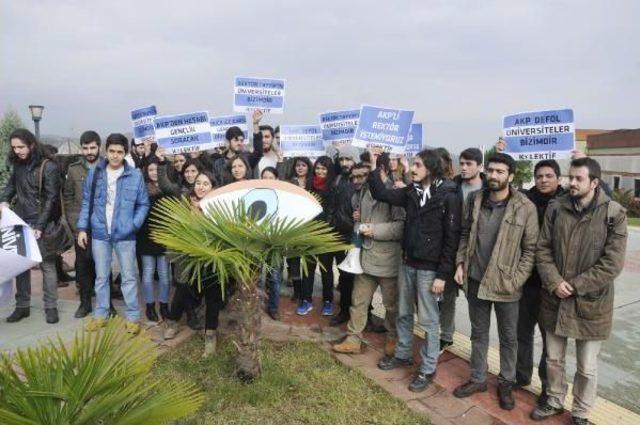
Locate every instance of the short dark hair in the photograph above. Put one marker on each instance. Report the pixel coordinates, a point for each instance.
(365, 156)
(277, 129)
(503, 158)
(118, 139)
(360, 165)
(551, 163)
(268, 128)
(90, 136)
(271, 170)
(472, 154)
(591, 164)
(233, 132)
(432, 161)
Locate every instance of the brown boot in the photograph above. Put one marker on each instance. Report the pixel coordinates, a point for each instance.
(171, 329)
(348, 346)
(389, 347)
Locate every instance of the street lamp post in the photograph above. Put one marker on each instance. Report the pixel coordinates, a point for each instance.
(36, 115)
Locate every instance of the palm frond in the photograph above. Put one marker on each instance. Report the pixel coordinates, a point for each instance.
(103, 377)
(234, 244)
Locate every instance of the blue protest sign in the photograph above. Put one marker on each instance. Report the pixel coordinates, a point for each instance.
(265, 94)
(540, 134)
(338, 127)
(383, 127)
(414, 140)
(142, 121)
(184, 133)
(220, 125)
(301, 140)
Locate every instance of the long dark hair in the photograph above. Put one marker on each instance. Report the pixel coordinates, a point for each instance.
(188, 162)
(293, 177)
(37, 152)
(328, 164)
(152, 188)
(229, 176)
(209, 175)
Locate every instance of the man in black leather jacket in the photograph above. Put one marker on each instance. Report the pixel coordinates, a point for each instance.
(38, 206)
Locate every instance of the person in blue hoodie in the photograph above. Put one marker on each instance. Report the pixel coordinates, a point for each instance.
(115, 204)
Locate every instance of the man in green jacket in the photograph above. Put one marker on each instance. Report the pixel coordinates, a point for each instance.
(381, 225)
(580, 252)
(72, 200)
(495, 257)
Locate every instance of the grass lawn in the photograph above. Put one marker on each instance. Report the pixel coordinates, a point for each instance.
(633, 221)
(300, 384)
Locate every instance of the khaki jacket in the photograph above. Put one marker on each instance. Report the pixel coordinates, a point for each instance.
(72, 192)
(513, 255)
(587, 251)
(380, 255)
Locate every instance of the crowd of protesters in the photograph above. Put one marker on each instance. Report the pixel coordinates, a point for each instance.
(546, 256)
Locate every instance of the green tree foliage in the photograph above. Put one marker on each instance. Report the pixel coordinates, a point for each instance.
(232, 244)
(103, 377)
(524, 169)
(9, 122)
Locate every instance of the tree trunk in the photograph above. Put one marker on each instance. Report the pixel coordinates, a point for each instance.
(248, 301)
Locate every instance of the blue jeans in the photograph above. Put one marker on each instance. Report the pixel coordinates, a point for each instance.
(126, 254)
(151, 263)
(415, 286)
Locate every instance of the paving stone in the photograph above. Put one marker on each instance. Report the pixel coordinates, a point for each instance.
(434, 418)
(446, 404)
(476, 416)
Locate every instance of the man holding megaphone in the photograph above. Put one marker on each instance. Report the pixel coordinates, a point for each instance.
(379, 226)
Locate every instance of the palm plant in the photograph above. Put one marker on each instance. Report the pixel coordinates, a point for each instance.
(100, 378)
(231, 243)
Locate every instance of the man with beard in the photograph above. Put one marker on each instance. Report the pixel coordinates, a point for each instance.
(580, 252)
(429, 243)
(495, 258)
(235, 146)
(547, 187)
(469, 180)
(72, 198)
(35, 184)
(380, 226)
(340, 216)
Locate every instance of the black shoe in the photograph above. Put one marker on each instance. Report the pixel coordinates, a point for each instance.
(392, 362)
(112, 311)
(339, 319)
(420, 382)
(274, 315)
(65, 278)
(18, 314)
(83, 310)
(543, 397)
(164, 311)
(444, 344)
(51, 315)
(469, 388)
(545, 411)
(579, 421)
(151, 313)
(505, 396)
(374, 326)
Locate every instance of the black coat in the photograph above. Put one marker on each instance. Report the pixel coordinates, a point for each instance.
(431, 232)
(36, 210)
(144, 244)
(340, 213)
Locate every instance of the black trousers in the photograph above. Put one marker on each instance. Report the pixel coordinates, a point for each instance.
(184, 297)
(528, 318)
(214, 302)
(327, 278)
(85, 272)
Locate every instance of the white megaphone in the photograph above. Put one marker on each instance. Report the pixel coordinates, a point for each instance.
(351, 263)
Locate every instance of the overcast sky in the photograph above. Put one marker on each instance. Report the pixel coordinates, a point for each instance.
(461, 65)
